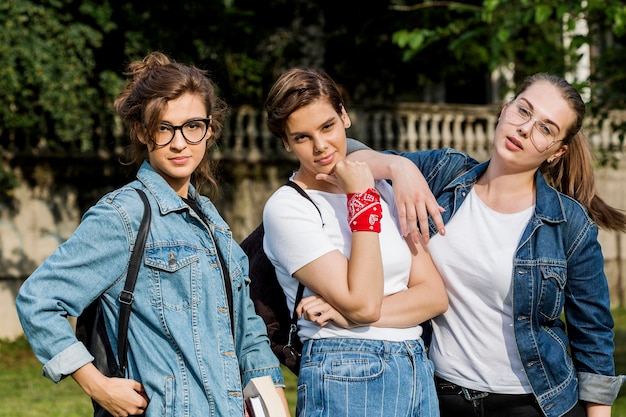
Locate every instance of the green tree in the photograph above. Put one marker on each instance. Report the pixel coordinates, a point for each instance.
(50, 91)
(61, 60)
(526, 33)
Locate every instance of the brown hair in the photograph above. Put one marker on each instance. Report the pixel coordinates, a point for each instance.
(152, 82)
(297, 88)
(573, 173)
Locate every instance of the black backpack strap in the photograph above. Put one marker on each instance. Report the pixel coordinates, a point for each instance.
(293, 327)
(126, 297)
(305, 195)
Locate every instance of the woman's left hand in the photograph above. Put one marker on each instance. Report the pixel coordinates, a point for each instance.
(318, 310)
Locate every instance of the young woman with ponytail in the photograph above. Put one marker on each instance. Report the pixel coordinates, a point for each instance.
(520, 249)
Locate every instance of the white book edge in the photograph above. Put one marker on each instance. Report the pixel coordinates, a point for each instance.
(256, 403)
(264, 387)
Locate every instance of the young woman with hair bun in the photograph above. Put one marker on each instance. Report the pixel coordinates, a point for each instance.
(192, 343)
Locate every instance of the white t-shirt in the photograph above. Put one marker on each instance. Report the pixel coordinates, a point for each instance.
(473, 342)
(294, 237)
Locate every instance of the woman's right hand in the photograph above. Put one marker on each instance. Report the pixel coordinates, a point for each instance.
(414, 199)
(119, 396)
(350, 177)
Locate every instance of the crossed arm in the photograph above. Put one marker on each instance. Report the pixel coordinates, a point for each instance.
(424, 299)
(426, 296)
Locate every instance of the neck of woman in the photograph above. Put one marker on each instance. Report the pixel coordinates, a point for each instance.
(506, 192)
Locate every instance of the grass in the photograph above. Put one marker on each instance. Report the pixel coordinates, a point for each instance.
(28, 394)
(25, 393)
(619, 407)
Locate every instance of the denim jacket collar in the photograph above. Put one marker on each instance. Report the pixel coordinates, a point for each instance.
(169, 201)
(546, 196)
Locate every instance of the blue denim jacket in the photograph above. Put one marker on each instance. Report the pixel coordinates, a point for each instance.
(558, 267)
(180, 343)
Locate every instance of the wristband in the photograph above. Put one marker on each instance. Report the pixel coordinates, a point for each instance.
(364, 211)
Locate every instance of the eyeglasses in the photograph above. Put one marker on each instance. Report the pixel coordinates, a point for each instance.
(517, 114)
(193, 131)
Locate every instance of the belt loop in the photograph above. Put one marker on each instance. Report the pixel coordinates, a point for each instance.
(308, 347)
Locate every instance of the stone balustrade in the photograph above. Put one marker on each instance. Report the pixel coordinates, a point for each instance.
(404, 127)
(58, 184)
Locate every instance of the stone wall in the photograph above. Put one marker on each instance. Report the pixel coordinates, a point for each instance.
(43, 215)
(58, 185)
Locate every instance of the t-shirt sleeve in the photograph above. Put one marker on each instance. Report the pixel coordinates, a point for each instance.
(294, 235)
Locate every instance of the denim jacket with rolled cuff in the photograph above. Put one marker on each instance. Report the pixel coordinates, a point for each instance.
(181, 347)
(558, 266)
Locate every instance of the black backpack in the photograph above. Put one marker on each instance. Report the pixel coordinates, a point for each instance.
(269, 298)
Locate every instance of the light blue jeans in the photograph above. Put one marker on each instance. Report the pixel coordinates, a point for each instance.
(360, 377)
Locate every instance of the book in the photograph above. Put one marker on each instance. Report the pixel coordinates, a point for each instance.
(254, 407)
(262, 400)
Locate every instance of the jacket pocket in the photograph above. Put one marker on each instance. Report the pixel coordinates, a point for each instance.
(553, 279)
(174, 275)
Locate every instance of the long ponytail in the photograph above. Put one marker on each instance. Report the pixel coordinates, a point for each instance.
(573, 175)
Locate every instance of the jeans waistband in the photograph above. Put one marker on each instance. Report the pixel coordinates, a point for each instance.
(445, 387)
(449, 388)
(341, 344)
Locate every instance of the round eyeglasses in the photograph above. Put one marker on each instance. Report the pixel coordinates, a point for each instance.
(193, 131)
(517, 114)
